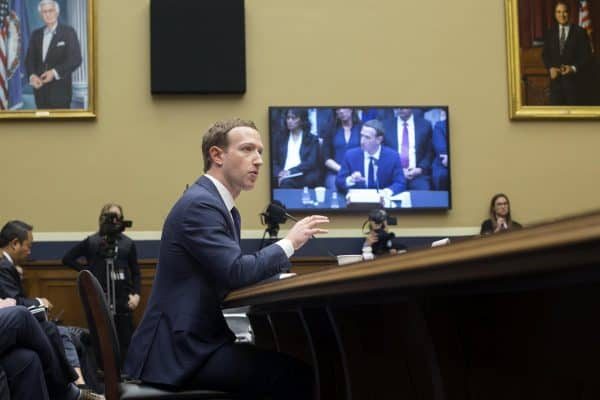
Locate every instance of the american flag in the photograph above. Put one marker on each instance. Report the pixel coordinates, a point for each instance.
(585, 21)
(4, 12)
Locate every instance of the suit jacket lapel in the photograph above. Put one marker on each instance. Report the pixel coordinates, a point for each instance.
(55, 38)
(208, 185)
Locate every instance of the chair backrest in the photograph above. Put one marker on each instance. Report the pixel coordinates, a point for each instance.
(102, 331)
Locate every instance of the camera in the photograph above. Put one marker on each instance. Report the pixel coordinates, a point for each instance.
(378, 215)
(385, 240)
(111, 225)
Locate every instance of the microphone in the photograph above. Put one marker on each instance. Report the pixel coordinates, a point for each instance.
(277, 208)
(273, 216)
(280, 209)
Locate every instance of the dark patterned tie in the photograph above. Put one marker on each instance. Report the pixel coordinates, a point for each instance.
(562, 40)
(371, 173)
(404, 147)
(237, 221)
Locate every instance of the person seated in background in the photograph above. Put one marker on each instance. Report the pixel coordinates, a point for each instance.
(31, 365)
(439, 166)
(371, 166)
(500, 219)
(16, 239)
(94, 251)
(296, 153)
(410, 135)
(345, 136)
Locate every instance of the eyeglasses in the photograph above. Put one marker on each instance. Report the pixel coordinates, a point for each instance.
(505, 203)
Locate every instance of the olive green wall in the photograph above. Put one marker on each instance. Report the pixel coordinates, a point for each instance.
(142, 150)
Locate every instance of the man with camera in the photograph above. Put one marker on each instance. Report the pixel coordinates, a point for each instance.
(16, 238)
(379, 238)
(110, 249)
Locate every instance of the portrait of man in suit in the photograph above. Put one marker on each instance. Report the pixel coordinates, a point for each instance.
(53, 55)
(554, 59)
(566, 55)
(371, 166)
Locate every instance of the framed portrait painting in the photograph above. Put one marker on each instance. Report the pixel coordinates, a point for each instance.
(553, 58)
(47, 59)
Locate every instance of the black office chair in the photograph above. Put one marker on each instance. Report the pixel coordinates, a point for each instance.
(104, 339)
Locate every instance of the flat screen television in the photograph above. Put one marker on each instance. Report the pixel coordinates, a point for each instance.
(344, 158)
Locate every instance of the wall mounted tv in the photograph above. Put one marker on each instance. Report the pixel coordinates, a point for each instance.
(343, 158)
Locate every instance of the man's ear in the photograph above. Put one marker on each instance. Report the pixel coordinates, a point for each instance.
(14, 243)
(216, 155)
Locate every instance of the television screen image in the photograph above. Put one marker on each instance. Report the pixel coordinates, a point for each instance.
(337, 159)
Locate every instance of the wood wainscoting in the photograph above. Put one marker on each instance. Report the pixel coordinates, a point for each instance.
(58, 284)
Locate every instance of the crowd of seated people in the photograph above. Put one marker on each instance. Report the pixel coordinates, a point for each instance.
(305, 155)
(52, 344)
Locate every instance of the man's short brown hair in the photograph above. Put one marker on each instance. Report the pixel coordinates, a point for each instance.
(217, 136)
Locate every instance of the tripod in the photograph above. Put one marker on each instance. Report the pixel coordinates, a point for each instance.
(110, 255)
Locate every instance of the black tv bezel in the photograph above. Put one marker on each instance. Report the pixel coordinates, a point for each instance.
(353, 211)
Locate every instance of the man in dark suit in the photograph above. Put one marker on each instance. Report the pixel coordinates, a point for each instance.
(372, 166)
(566, 55)
(410, 136)
(183, 340)
(54, 53)
(32, 365)
(16, 239)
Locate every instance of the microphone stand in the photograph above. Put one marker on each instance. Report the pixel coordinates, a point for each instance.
(273, 230)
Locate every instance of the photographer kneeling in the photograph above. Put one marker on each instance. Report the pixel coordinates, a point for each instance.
(379, 239)
(108, 249)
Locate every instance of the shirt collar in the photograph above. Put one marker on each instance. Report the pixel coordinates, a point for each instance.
(223, 192)
(8, 257)
(52, 29)
(375, 155)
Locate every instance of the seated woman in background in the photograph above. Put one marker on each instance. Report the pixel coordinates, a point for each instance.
(500, 219)
(345, 135)
(296, 152)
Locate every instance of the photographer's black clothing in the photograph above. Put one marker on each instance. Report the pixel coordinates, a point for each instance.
(127, 275)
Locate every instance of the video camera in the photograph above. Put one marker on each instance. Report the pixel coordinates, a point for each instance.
(385, 239)
(111, 225)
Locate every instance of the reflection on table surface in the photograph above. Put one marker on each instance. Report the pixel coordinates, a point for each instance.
(297, 199)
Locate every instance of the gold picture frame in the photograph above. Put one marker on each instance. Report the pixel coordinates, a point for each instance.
(518, 62)
(67, 86)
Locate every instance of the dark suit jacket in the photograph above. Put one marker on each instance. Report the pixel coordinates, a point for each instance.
(389, 170)
(423, 149)
(10, 284)
(577, 50)
(309, 157)
(64, 55)
(200, 262)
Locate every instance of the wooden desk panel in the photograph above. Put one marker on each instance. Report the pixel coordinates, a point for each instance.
(506, 316)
